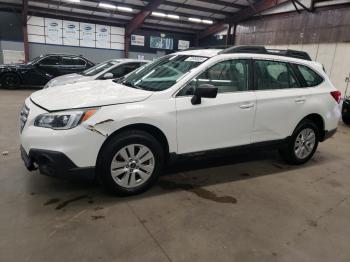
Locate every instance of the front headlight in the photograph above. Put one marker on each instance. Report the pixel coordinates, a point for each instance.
(64, 120)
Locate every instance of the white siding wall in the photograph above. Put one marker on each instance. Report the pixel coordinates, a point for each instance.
(334, 56)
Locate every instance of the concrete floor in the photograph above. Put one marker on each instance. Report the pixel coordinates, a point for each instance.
(240, 208)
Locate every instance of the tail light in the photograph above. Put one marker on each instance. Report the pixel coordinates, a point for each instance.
(336, 95)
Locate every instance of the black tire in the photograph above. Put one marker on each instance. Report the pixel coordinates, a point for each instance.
(117, 143)
(10, 81)
(346, 120)
(288, 152)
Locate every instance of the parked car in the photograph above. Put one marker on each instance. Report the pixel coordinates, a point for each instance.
(40, 70)
(111, 69)
(346, 104)
(346, 111)
(124, 131)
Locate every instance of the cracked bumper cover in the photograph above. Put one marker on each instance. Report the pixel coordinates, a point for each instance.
(55, 164)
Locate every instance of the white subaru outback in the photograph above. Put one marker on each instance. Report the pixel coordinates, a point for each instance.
(123, 132)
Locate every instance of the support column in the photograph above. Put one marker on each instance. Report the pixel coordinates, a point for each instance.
(233, 39)
(127, 42)
(228, 35)
(25, 30)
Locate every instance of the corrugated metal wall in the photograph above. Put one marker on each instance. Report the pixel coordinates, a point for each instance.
(322, 26)
(325, 35)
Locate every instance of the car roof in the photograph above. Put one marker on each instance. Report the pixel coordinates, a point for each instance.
(129, 60)
(200, 52)
(61, 54)
(212, 52)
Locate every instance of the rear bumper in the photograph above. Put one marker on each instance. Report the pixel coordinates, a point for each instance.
(55, 164)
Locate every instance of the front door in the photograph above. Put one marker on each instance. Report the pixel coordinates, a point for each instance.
(224, 121)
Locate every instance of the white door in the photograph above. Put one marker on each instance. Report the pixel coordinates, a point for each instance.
(221, 122)
(280, 101)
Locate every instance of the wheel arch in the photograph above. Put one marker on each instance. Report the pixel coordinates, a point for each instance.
(151, 129)
(11, 72)
(319, 121)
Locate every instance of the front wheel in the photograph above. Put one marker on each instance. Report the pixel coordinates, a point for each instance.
(130, 163)
(10, 81)
(302, 144)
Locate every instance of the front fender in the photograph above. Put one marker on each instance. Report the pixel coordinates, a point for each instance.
(110, 119)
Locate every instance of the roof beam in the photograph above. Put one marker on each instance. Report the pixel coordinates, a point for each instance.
(138, 20)
(241, 16)
(82, 7)
(223, 3)
(194, 7)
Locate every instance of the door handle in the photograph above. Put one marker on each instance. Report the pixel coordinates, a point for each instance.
(247, 106)
(300, 100)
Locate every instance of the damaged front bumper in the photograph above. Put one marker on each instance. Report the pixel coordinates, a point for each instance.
(55, 164)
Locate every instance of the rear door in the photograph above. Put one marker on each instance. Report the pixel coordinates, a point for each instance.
(280, 100)
(72, 64)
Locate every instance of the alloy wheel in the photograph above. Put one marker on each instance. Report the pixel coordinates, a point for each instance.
(305, 143)
(132, 165)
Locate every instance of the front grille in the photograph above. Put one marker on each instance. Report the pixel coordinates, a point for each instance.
(23, 116)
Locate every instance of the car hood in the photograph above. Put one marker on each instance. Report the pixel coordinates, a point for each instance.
(69, 79)
(87, 94)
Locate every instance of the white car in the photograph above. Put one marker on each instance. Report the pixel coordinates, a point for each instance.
(111, 69)
(125, 132)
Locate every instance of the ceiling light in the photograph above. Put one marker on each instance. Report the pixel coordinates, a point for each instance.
(196, 20)
(207, 22)
(173, 16)
(125, 9)
(73, 1)
(105, 5)
(158, 14)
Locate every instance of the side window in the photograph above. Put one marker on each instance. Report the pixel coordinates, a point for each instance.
(227, 76)
(122, 70)
(310, 76)
(51, 60)
(131, 67)
(71, 60)
(273, 75)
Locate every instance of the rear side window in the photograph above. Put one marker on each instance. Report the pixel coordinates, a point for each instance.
(310, 77)
(71, 60)
(51, 60)
(274, 75)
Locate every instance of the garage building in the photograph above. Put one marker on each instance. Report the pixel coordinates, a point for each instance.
(246, 206)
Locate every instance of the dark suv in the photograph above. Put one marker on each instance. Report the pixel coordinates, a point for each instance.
(40, 70)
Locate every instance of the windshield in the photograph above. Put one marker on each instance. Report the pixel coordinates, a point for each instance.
(35, 60)
(98, 68)
(162, 73)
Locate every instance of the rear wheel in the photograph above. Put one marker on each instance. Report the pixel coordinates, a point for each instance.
(10, 81)
(302, 144)
(130, 163)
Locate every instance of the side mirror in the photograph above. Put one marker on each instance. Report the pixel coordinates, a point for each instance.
(206, 91)
(108, 76)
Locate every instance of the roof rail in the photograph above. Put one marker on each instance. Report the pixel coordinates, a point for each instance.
(262, 50)
(206, 47)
